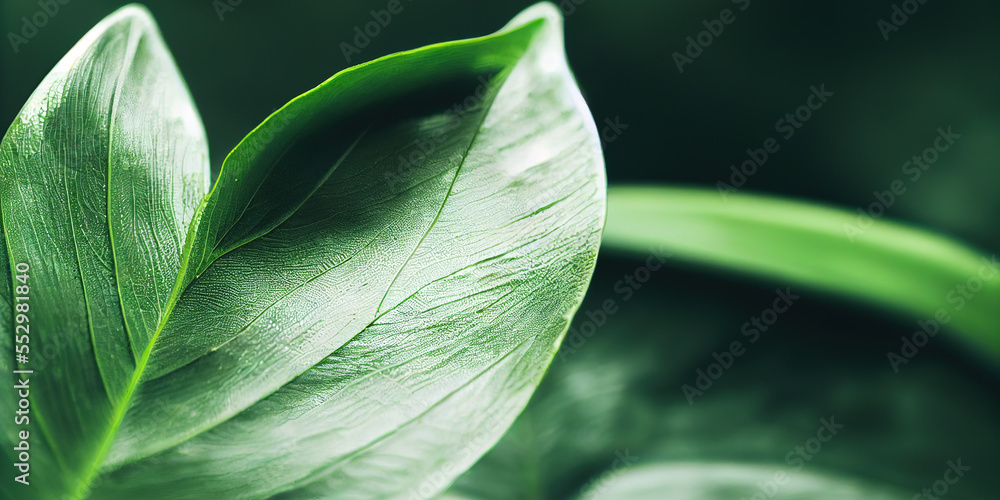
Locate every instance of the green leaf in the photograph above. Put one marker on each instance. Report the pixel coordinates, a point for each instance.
(102, 171)
(701, 481)
(902, 268)
(365, 300)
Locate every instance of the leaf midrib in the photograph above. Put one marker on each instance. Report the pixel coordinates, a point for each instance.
(135, 34)
(501, 78)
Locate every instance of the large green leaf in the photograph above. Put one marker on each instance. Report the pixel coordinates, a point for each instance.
(364, 301)
(925, 275)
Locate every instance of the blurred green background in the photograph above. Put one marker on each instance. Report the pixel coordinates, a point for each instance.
(622, 389)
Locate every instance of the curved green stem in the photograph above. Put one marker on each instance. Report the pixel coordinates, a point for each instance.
(895, 266)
